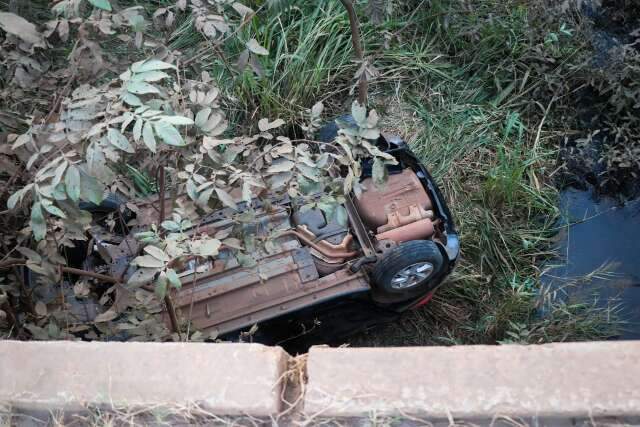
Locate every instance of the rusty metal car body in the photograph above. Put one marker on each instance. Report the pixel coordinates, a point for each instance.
(321, 269)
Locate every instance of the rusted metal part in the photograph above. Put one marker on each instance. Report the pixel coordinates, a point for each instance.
(385, 245)
(322, 228)
(324, 267)
(330, 253)
(402, 200)
(239, 297)
(358, 227)
(306, 267)
(318, 247)
(418, 230)
(399, 218)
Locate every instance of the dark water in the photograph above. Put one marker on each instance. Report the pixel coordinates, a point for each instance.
(599, 235)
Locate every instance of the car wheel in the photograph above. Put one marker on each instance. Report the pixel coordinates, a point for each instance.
(408, 270)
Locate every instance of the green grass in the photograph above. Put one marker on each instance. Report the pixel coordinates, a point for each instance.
(492, 148)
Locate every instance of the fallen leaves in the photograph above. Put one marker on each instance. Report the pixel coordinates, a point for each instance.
(21, 28)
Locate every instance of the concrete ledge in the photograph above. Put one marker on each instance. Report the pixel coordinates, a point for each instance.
(225, 379)
(556, 381)
(595, 379)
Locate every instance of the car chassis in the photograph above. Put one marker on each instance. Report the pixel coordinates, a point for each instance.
(319, 265)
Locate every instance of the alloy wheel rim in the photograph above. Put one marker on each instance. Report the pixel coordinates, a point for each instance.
(412, 275)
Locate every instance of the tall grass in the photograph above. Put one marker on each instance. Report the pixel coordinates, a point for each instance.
(483, 135)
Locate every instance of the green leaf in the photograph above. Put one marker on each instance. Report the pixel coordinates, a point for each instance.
(116, 138)
(150, 76)
(141, 88)
(226, 199)
(72, 183)
(156, 252)
(328, 208)
(91, 190)
(281, 165)
(173, 278)
(59, 172)
(309, 172)
(177, 120)
(161, 285)
(203, 198)
(17, 196)
(192, 189)
(341, 215)
(148, 137)
(131, 99)
(170, 226)
(59, 192)
(141, 276)
(372, 134)
(14, 198)
(37, 223)
(54, 210)
(101, 4)
(504, 94)
(30, 253)
(208, 247)
(150, 65)
(137, 129)
(359, 113)
(202, 117)
(128, 118)
(147, 261)
(169, 134)
(255, 47)
(379, 172)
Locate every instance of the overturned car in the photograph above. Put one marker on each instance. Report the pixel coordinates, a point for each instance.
(321, 280)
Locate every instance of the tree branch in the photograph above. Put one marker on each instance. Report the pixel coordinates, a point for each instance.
(13, 262)
(357, 48)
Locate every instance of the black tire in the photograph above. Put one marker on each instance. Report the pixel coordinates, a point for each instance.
(420, 261)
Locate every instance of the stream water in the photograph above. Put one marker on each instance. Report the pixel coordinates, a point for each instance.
(603, 236)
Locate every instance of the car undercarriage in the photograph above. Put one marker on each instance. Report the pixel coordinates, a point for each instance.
(397, 245)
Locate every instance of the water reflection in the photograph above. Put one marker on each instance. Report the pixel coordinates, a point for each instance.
(599, 247)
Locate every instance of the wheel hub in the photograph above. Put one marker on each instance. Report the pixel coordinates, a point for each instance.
(412, 275)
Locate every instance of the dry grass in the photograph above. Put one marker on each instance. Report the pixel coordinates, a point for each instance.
(195, 416)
